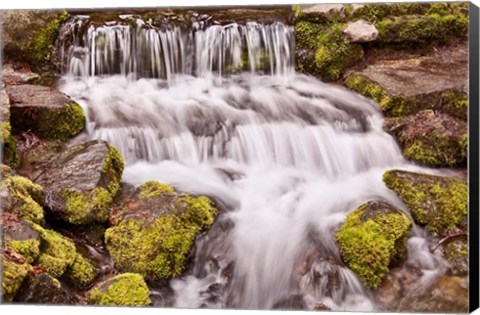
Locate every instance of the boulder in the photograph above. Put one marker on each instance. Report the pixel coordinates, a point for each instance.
(41, 288)
(14, 271)
(14, 73)
(372, 237)
(439, 203)
(127, 289)
(431, 138)
(81, 182)
(456, 253)
(154, 230)
(360, 31)
(9, 143)
(45, 111)
(328, 12)
(5, 102)
(20, 236)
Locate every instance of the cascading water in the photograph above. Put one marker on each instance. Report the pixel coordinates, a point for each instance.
(218, 110)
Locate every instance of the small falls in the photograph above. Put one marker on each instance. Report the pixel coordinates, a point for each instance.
(218, 110)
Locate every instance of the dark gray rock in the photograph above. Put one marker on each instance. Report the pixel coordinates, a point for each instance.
(41, 288)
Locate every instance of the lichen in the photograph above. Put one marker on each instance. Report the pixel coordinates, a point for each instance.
(86, 207)
(369, 244)
(27, 198)
(29, 248)
(153, 188)
(439, 203)
(127, 289)
(57, 252)
(13, 274)
(61, 123)
(81, 273)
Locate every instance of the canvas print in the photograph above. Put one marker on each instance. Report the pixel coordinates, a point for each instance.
(295, 157)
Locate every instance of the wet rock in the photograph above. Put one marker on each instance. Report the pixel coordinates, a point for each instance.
(35, 153)
(41, 288)
(81, 182)
(45, 111)
(20, 236)
(456, 252)
(9, 144)
(431, 138)
(5, 102)
(328, 12)
(372, 237)
(360, 32)
(294, 302)
(14, 271)
(14, 73)
(154, 230)
(439, 203)
(127, 289)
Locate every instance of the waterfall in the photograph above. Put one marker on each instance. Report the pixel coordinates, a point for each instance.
(218, 110)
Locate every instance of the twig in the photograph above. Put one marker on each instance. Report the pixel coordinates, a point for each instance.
(446, 238)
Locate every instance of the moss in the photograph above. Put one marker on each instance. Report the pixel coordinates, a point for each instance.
(81, 273)
(456, 252)
(57, 252)
(306, 34)
(86, 207)
(440, 203)
(152, 189)
(127, 289)
(61, 123)
(365, 87)
(113, 167)
(157, 248)
(464, 145)
(9, 145)
(369, 245)
(6, 131)
(455, 103)
(29, 248)
(13, 274)
(377, 12)
(27, 198)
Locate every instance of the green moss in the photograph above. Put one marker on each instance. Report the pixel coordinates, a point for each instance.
(27, 198)
(152, 189)
(29, 249)
(157, 249)
(13, 275)
(365, 86)
(127, 289)
(440, 203)
(9, 145)
(368, 245)
(113, 167)
(455, 103)
(6, 131)
(306, 34)
(377, 12)
(81, 273)
(57, 252)
(86, 208)
(62, 123)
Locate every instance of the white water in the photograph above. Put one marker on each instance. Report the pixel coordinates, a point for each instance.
(285, 155)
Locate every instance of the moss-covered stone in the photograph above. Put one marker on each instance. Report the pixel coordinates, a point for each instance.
(373, 236)
(62, 123)
(85, 208)
(156, 229)
(439, 203)
(29, 248)
(113, 167)
(375, 12)
(455, 103)
(57, 252)
(82, 272)
(13, 274)
(365, 87)
(456, 252)
(9, 146)
(24, 198)
(127, 289)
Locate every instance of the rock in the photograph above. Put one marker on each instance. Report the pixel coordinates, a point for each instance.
(14, 272)
(294, 302)
(20, 196)
(81, 273)
(45, 111)
(81, 182)
(439, 203)
(360, 32)
(456, 252)
(431, 138)
(41, 288)
(372, 237)
(35, 153)
(406, 86)
(328, 12)
(5, 101)
(14, 73)
(155, 230)
(127, 289)
(20, 236)
(9, 144)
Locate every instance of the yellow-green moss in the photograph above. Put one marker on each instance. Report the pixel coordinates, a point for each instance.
(13, 275)
(158, 249)
(440, 203)
(62, 123)
(127, 289)
(27, 198)
(153, 188)
(86, 207)
(455, 103)
(113, 167)
(6, 131)
(57, 252)
(365, 86)
(377, 11)
(368, 245)
(81, 273)
(29, 248)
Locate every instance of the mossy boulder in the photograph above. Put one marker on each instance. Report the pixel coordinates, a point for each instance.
(431, 138)
(82, 272)
(14, 272)
(439, 203)
(456, 253)
(81, 182)
(155, 229)
(19, 195)
(20, 236)
(41, 288)
(44, 111)
(372, 237)
(128, 289)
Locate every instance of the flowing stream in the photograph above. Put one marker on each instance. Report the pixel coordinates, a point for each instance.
(218, 110)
